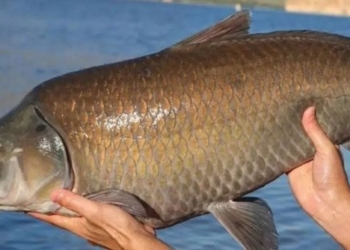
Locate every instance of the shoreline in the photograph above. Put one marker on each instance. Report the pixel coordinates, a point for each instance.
(323, 7)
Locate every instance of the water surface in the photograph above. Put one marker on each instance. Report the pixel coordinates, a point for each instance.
(41, 39)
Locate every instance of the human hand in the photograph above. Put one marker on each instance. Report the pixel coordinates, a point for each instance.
(321, 186)
(101, 224)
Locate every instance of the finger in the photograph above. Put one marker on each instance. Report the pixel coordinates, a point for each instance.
(76, 203)
(78, 226)
(328, 166)
(150, 230)
(92, 243)
(64, 222)
(318, 137)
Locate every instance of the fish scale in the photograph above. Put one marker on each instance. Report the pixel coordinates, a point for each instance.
(193, 128)
(248, 128)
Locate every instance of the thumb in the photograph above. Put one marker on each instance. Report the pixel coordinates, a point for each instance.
(319, 139)
(328, 171)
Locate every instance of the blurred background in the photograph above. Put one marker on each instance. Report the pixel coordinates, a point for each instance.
(333, 7)
(41, 39)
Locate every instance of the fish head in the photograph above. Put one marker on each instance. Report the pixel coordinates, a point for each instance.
(33, 161)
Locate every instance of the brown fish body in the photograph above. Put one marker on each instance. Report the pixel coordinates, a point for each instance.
(182, 132)
(183, 128)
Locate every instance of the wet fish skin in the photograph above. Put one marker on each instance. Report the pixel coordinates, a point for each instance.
(190, 128)
(182, 129)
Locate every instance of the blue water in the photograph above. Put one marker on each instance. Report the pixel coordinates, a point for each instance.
(40, 39)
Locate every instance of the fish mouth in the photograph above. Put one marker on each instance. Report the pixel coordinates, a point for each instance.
(35, 160)
(16, 195)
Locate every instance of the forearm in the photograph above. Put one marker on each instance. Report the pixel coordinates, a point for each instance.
(335, 219)
(138, 241)
(147, 243)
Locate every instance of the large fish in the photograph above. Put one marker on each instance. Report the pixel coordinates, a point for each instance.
(182, 132)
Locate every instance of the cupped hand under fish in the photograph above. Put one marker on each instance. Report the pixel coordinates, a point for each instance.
(101, 224)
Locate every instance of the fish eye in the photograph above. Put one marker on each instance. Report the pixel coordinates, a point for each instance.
(40, 128)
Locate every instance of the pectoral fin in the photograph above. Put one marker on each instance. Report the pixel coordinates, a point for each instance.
(249, 221)
(126, 201)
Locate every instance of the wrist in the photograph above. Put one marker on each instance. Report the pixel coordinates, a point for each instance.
(335, 219)
(142, 241)
(147, 242)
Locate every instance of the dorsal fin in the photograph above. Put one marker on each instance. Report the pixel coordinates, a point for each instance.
(235, 25)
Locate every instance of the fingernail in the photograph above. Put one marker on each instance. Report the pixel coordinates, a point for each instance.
(313, 109)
